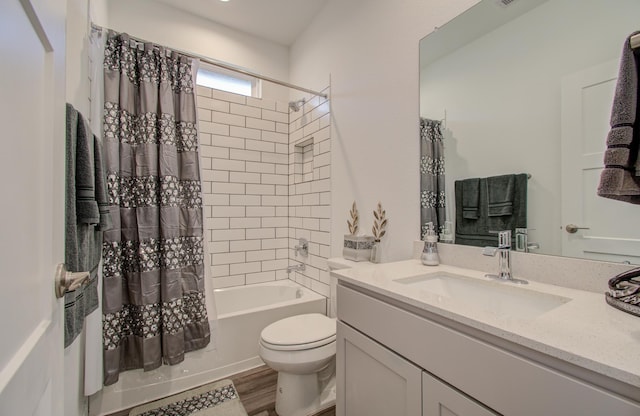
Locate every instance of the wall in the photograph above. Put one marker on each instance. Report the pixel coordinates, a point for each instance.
(244, 157)
(257, 205)
(162, 24)
(310, 191)
(369, 49)
(77, 93)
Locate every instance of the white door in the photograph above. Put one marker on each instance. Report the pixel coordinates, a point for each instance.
(440, 399)
(610, 229)
(32, 39)
(373, 380)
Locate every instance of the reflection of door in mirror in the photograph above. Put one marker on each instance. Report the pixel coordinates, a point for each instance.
(600, 234)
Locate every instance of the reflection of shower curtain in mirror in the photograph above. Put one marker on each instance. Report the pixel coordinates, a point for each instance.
(432, 192)
(153, 293)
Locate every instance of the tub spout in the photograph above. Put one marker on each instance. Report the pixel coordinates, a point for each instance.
(300, 267)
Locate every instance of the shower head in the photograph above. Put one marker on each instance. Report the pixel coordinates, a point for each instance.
(295, 105)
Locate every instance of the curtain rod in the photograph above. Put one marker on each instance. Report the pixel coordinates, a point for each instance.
(229, 67)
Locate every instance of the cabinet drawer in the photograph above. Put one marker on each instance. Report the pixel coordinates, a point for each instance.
(506, 382)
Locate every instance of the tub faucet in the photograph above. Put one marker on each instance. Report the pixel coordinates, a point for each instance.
(504, 259)
(300, 267)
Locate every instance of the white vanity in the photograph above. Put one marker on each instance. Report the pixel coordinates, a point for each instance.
(418, 340)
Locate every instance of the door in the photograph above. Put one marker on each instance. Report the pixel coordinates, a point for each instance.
(32, 113)
(439, 399)
(608, 229)
(373, 380)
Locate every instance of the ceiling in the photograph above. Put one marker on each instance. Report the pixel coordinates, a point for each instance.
(280, 21)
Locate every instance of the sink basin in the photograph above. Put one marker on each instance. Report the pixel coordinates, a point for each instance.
(502, 298)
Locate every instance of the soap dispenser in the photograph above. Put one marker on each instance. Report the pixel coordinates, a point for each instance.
(430, 253)
(446, 236)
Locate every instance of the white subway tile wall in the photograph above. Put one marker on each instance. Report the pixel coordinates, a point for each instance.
(309, 190)
(255, 211)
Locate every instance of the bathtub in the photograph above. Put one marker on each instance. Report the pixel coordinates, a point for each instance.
(243, 312)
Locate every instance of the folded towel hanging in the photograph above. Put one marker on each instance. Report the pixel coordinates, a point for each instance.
(500, 192)
(620, 178)
(470, 198)
(478, 231)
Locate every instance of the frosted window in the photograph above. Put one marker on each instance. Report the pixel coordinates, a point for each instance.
(227, 81)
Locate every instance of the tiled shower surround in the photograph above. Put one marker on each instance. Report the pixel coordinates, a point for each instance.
(256, 206)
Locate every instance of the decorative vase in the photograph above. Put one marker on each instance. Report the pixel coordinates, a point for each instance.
(357, 248)
(376, 252)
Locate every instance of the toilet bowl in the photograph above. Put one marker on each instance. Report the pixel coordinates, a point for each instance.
(302, 350)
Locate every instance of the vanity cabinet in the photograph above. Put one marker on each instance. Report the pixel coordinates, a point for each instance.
(379, 382)
(396, 359)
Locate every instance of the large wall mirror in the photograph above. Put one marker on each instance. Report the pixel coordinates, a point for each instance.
(528, 88)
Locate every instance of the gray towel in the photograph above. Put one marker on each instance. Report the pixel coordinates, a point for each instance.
(86, 205)
(470, 198)
(620, 178)
(83, 220)
(478, 232)
(500, 192)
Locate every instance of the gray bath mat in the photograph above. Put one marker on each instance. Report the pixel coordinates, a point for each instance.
(214, 399)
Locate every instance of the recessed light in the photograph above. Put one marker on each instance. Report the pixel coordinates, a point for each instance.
(224, 1)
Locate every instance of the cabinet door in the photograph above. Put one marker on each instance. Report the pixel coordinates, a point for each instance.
(439, 399)
(372, 380)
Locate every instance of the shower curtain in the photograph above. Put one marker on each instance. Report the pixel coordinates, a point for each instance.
(153, 259)
(432, 192)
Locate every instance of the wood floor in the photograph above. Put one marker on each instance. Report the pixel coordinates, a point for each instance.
(257, 391)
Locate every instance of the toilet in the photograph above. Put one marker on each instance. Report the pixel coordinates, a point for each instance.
(302, 349)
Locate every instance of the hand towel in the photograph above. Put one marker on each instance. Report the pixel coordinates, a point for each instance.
(620, 178)
(470, 198)
(83, 239)
(481, 231)
(500, 193)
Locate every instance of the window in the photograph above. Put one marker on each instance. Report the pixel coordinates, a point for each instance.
(226, 80)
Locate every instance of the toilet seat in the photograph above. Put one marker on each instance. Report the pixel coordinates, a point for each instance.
(300, 332)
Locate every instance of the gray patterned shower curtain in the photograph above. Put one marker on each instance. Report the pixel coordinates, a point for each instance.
(432, 192)
(153, 296)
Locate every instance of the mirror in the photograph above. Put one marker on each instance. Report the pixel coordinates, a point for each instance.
(507, 81)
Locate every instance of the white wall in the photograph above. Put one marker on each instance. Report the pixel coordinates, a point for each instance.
(159, 23)
(502, 95)
(369, 49)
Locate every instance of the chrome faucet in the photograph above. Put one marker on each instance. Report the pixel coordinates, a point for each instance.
(300, 267)
(504, 259)
(522, 241)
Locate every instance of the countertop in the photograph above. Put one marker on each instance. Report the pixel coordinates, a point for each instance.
(584, 331)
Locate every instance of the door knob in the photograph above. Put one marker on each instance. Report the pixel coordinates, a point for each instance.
(68, 281)
(572, 228)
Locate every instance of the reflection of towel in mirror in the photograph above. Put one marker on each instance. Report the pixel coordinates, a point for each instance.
(481, 231)
(470, 197)
(620, 178)
(500, 192)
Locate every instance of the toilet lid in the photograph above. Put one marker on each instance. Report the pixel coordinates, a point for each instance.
(299, 330)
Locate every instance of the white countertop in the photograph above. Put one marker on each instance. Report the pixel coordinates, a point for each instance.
(584, 331)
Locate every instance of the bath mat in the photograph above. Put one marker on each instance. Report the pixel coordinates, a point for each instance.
(214, 399)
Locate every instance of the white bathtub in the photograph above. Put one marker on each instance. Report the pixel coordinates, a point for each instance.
(243, 312)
